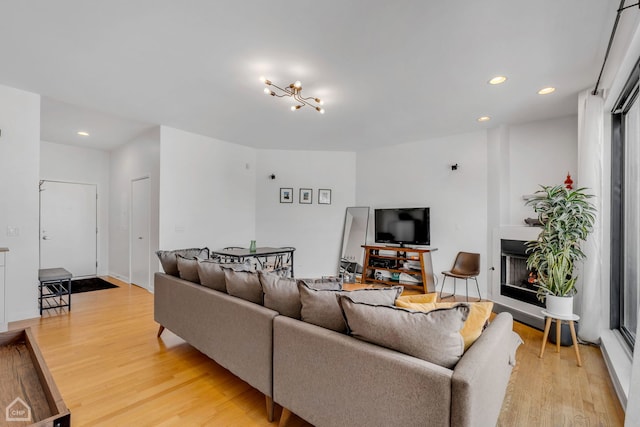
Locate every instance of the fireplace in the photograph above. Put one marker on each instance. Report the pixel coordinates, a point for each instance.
(516, 280)
(512, 286)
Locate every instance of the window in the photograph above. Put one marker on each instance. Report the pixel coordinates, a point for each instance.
(625, 210)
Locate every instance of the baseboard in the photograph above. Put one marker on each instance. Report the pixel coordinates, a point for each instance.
(520, 316)
(119, 277)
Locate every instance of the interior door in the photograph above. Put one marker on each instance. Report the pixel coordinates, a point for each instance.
(140, 248)
(68, 227)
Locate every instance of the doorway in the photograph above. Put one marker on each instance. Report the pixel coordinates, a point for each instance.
(68, 227)
(140, 250)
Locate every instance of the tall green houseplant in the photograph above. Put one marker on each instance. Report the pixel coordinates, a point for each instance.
(567, 218)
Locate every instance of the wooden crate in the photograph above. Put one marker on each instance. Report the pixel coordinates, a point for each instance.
(26, 380)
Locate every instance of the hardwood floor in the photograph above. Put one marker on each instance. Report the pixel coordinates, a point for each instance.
(112, 370)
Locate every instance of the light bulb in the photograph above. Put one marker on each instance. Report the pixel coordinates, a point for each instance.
(83, 133)
(483, 119)
(263, 79)
(267, 91)
(322, 111)
(297, 84)
(294, 107)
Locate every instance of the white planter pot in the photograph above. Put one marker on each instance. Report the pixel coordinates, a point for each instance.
(562, 306)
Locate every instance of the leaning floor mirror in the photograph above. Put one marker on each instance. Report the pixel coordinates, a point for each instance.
(356, 223)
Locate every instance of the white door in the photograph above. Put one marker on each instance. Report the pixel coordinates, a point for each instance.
(68, 227)
(140, 249)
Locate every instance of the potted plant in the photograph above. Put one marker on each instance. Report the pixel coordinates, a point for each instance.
(567, 217)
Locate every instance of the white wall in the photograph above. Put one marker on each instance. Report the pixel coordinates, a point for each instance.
(137, 159)
(314, 230)
(207, 191)
(19, 176)
(419, 174)
(68, 163)
(540, 153)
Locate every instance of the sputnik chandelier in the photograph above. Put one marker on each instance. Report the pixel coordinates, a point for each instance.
(293, 91)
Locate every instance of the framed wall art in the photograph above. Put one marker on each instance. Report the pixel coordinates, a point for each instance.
(324, 196)
(306, 196)
(286, 195)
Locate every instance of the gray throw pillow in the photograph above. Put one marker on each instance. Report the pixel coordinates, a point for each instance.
(281, 294)
(433, 336)
(243, 284)
(170, 263)
(320, 307)
(188, 268)
(329, 283)
(211, 273)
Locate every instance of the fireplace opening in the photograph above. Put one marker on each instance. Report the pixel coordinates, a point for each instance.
(516, 280)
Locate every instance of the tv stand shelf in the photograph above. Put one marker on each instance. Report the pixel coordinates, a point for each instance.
(393, 263)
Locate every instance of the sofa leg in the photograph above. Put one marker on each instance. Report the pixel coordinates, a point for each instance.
(269, 401)
(160, 329)
(284, 418)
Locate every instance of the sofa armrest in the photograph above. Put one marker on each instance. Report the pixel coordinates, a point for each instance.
(331, 379)
(480, 378)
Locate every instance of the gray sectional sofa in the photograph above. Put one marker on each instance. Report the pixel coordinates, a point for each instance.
(330, 378)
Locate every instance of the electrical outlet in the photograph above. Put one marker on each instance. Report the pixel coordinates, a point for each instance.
(13, 231)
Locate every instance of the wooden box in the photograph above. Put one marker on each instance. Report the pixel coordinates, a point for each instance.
(28, 394)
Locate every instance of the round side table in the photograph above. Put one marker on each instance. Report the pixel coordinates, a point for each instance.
(559, 319)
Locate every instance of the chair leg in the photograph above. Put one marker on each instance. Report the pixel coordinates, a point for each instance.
(466, 288)
(478, 287)
(442, 288)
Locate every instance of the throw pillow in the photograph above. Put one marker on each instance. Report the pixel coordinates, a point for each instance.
(211, 273)
(432, 336)
(320, 306)
(474, 325)
(170, 263)
(329, 283)
(420, 298)
(281, 294)
(188, 268)
(243, 284)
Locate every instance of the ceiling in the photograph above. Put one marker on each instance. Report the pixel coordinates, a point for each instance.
(389, 71)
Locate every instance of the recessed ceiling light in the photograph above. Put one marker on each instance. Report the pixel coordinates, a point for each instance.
(497, 80)
(483, 119)
(83, 133)
(546, 90)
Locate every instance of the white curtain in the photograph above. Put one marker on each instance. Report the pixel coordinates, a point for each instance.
(590, 166)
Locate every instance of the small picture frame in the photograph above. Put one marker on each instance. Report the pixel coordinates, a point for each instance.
(306, 196)
(286, 195)
(324, 196)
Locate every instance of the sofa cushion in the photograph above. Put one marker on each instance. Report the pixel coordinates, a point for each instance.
(320, 306)
(474, 325)
(329, 283)
(281, 294)
(432, 336)
(243, 284)
(170, 263)
(188, 268)
(211, 273)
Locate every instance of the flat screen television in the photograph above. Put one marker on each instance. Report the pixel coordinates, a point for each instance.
(403, 226)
